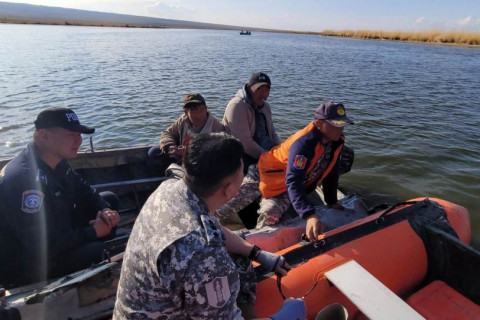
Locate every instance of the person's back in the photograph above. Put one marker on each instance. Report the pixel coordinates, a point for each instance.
(165, 255)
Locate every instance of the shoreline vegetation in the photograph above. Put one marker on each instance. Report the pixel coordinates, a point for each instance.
(433, 36)
(441, 37)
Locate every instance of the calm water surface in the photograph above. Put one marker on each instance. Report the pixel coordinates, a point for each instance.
(416, 107)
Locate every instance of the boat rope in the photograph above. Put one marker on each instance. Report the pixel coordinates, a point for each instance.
(396, 206)
(279, 286)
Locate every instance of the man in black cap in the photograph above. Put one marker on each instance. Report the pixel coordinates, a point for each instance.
(248, 118)
(51, 220)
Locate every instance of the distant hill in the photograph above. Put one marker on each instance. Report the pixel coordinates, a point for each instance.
(35, 14)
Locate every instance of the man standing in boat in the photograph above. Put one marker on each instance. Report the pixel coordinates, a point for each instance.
(287, 173)
(195, 120)
(248, 118)
(51, 220)
(180, 263)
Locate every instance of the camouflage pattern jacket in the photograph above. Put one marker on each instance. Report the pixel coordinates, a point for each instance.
(176, 265)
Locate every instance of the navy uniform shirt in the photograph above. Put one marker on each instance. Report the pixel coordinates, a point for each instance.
(44, 213)
(300, 155)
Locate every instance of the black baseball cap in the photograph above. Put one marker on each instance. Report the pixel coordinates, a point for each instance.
(333, 113)
(259, 79)
(61, 117)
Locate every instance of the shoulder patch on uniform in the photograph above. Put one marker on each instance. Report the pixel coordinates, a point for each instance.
(32, 201)
(218, 292)
(213, 231)
(300, 161)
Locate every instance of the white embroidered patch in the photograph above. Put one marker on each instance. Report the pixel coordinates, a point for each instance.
(32, 201)
(218, 292)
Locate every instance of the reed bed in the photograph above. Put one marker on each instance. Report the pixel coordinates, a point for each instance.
(434, 36)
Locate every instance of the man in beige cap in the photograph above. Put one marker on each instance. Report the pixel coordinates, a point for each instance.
(195, 120)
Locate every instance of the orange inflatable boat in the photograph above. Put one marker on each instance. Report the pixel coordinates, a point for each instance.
(416, 251)
(410, 261)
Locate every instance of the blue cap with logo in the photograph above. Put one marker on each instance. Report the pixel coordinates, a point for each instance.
(334, 113)
(61, 117)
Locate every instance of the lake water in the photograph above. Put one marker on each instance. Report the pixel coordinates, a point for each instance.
(416, 107)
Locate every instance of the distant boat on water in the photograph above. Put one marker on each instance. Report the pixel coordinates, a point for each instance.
(245, 33)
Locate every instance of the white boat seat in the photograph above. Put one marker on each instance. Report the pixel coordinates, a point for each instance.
(370, 296)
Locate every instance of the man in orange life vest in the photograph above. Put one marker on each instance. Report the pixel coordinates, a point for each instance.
(288, 172)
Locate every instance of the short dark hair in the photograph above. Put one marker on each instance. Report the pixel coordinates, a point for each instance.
(210, 158)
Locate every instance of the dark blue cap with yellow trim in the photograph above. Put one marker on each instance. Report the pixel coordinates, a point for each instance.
(334, 113)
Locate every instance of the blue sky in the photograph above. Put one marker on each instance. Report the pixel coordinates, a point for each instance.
(301, 15)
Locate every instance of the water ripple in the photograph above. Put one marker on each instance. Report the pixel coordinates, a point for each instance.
(415, 107)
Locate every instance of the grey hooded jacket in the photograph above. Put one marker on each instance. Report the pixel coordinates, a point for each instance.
(239, 121)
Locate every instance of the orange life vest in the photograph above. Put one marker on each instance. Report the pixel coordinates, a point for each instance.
(272, 165)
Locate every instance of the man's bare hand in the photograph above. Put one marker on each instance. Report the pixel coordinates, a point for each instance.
(313, 228)
(101, 228)
(109, 217)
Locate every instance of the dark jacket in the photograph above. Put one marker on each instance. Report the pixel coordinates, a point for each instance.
(44, 214)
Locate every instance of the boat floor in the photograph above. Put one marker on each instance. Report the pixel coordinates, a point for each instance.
(291, 229)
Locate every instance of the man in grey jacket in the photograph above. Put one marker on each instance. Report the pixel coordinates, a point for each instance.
(248, 118)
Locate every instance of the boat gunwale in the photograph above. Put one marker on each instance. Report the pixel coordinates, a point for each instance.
(304, 251)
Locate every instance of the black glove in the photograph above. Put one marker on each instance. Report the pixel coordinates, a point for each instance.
(270, 261)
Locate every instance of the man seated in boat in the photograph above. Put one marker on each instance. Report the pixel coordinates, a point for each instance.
(288, 172)
(248, 118)
(195, 120)
(180, 263)
(51, 221)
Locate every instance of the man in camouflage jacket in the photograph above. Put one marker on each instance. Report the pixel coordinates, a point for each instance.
(178, 262)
